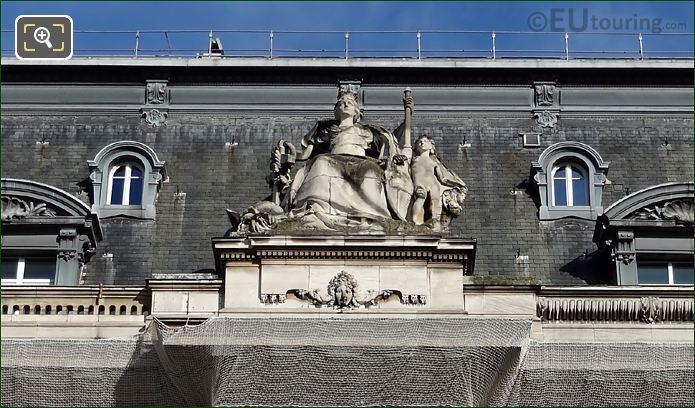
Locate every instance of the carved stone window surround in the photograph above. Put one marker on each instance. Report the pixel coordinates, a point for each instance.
(117, 154)
(46, 222)
(575, 153)
(651, 225)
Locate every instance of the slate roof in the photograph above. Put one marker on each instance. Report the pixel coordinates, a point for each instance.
(214, 178)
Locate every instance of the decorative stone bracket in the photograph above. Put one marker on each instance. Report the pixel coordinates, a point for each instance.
(156, 111)
(273, 298)
(624, 250)
(546, 106)
(414, 300)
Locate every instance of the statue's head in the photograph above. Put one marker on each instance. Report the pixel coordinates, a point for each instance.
(343, 288)
(452, 200)
(424, 144)
(347, 106)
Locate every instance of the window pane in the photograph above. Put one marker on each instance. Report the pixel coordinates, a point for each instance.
(652, 274)
(580, 191)
(682, 274)
(40, 269)
(576, 174)
(9, 268)
(120, 172)
(560, 191)
(136, 191)
(117, 191)
(560, 173)
(135, 172)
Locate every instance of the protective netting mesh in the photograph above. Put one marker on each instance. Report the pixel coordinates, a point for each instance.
(329, 362)
(108, 372)
(345, 361)
(605, 374)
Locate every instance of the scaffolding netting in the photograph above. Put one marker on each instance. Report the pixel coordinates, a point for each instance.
(343, 362)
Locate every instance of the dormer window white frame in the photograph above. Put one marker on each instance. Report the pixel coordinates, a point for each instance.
(132, 158)
(586, 170)
(572, 178)
(127, 180)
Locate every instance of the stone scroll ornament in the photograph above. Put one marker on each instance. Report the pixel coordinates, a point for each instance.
(343, 294)
(356, 178)
(15, 208)
(680, 211)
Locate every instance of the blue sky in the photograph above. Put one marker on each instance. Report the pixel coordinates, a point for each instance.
(617, 17)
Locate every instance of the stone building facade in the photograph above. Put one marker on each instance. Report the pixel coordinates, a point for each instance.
(573, 244)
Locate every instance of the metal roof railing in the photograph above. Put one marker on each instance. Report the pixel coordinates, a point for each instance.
(411, 44)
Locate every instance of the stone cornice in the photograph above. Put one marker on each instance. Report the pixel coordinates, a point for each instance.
(77, 292)
(184, 284)
(428, 248)
(665, 64)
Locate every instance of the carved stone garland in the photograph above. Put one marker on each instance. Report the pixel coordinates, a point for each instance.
(343, 295)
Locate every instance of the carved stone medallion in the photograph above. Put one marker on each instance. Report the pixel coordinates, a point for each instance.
(154, 117)
(546, 118)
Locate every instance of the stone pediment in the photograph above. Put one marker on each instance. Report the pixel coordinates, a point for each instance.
(29, 202)
(670, 202)
(28, 198)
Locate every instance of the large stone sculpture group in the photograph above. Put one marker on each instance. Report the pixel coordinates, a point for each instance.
(356, 178)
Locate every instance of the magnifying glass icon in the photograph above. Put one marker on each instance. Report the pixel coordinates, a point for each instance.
(43, 36)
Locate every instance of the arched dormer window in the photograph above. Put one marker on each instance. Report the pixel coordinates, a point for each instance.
(126, 177)
(570, 178)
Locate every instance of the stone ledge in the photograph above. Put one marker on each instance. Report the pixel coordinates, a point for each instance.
(358, 62)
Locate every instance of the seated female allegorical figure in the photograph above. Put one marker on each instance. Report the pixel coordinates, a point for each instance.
(355, 178)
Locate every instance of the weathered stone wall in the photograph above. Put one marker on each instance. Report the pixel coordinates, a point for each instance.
(215, 178)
